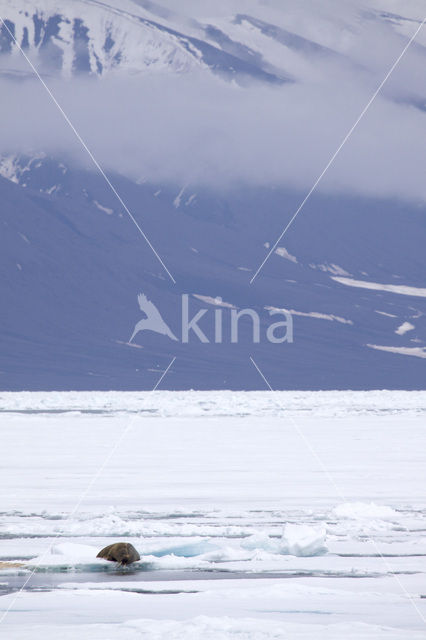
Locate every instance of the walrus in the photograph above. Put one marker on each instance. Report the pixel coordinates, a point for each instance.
(122, 552)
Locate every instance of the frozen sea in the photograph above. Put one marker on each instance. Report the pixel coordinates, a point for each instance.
(257, 515)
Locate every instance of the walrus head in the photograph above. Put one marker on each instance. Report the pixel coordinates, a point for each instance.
(124, 560)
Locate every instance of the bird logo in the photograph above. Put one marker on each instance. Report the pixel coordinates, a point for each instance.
(153, 321)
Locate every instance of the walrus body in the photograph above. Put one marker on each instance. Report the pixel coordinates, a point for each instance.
(122, 552)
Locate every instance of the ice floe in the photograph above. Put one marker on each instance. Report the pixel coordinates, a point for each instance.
(218, 403)
(361, 510)
(297, 540)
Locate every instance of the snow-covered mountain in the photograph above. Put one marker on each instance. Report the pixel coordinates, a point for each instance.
(87, 36)
(351, 271)
(274, 43)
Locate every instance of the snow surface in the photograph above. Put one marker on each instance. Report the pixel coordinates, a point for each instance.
(256, 515)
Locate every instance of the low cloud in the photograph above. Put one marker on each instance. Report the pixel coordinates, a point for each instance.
(198, 128)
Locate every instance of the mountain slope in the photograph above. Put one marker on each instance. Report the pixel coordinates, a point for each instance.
(74, 263)
(350, 270)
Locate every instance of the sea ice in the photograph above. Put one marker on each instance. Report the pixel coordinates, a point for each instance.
(228, 509)
(361, 510)
(301, 540)
(297, 540)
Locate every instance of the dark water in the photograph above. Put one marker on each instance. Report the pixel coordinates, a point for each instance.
(130, 579)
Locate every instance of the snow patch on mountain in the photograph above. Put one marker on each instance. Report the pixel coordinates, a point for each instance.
(102, 208)
(375, 286)
(418, 352)
(281, 251)
(177, 201)
(384, 313)
(313, 314)
(404, 328)
(14, 168)
(335, 269)
(217, 302)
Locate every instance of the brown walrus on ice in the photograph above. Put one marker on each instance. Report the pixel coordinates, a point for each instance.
(122, 552)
